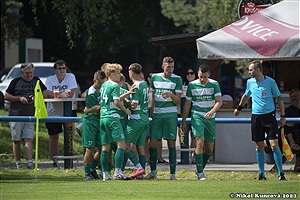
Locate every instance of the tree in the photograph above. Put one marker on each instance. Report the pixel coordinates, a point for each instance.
(12, 26)
(200, 15)
(77, 14)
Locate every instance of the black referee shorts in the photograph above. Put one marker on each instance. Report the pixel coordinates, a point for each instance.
(261, 124)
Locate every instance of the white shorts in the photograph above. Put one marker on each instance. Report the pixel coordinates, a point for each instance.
(21, 130)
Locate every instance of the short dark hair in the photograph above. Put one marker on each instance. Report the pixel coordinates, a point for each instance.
(257, 64)
(59, 63)
(135, 68)
(204, 68)
(168, 60)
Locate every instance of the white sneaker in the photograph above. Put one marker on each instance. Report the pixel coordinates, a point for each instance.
(201, 177)
(121, 177)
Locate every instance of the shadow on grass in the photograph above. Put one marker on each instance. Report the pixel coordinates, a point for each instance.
(19, 176)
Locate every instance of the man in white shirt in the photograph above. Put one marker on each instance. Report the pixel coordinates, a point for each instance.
(67, 85)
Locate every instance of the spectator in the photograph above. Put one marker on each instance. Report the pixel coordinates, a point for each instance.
(291, 130)
(20, 94)
(61, 81)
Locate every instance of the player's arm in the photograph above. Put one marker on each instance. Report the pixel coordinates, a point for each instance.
(119, 104)
(241, 105)
(282, 110)
(175, 97)
(152, 101)
(216, 107)
(94, 109)
(186, 110)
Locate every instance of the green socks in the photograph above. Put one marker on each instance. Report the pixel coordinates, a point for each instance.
(153, 158)
(172, 159)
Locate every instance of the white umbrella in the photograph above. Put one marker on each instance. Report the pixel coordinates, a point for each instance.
(272, 33)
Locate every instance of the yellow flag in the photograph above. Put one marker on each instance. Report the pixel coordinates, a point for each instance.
(39, 104)
(286, 150)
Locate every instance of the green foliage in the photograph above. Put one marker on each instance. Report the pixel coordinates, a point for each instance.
(12, 26)
(43, 154)
(78, 15)
(200, 15)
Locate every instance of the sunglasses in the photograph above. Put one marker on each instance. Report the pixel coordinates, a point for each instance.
(190, 73)
(61, 68)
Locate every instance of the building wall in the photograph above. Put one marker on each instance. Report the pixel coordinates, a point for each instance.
(11, 55)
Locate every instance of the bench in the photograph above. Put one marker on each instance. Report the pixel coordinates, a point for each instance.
(74, 157)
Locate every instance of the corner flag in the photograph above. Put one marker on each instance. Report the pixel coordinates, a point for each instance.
(39, 104)
(40, 112)
(286, 150)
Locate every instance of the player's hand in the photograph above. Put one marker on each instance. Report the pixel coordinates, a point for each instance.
(208, 115)
(236, 112)
(166, 94)
(128, 112)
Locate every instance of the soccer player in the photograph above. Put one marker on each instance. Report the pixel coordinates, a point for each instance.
(110, 127)
(166, 89)
(90, 127)
(263, 89)
(138, 123)
(204, 95)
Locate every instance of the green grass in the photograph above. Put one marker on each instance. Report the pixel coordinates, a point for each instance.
(69, 183)
(6, 143)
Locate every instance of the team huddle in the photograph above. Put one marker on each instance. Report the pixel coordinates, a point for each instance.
(125, 113)
(115, 123)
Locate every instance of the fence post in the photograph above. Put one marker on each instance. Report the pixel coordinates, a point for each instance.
(68, 137)
(184, 138)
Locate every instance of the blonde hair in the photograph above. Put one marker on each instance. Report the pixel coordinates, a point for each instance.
(122, 77)
(111, 68)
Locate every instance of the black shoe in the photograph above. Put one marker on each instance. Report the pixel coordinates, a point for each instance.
(162, 161)
(297, 169)
(281, 177)
(55, 165)
(94, 174)
(261, 177)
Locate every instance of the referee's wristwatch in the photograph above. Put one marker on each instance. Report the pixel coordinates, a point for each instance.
(282, 116)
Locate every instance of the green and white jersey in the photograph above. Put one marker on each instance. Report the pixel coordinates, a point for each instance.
(92, 98)
(203, 96)
(158, 86)
(109, 92)
(122, 114)
(141, 98)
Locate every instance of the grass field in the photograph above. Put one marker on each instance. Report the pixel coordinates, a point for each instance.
(70, 184)
(6, 143)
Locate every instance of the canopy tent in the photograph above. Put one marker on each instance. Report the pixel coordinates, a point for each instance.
(270, 34)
